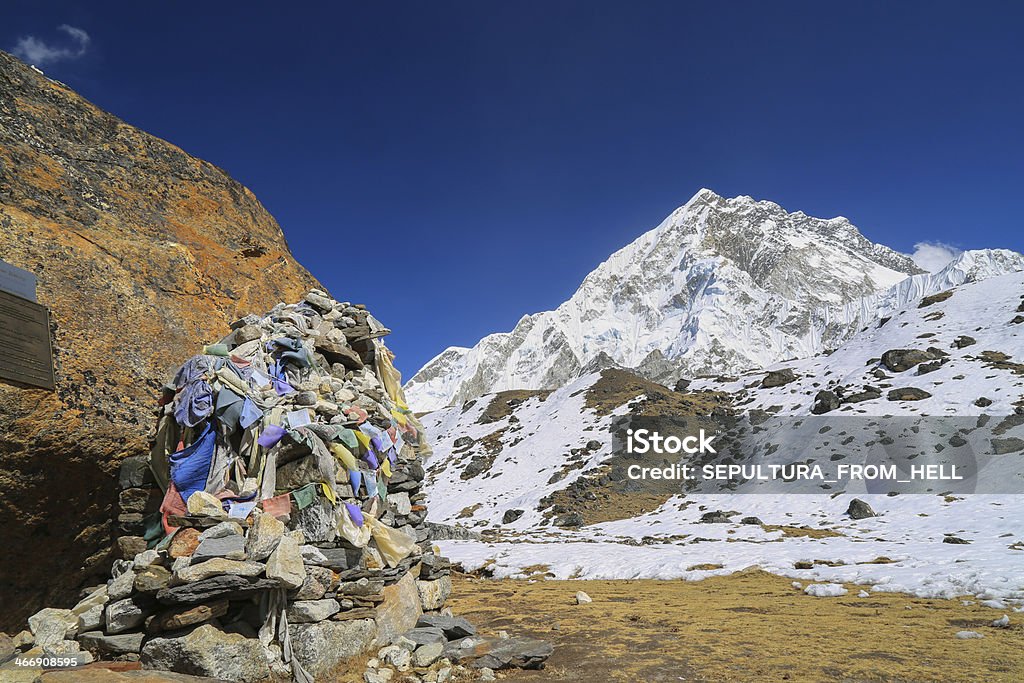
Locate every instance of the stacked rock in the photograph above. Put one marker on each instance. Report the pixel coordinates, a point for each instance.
(277, 527)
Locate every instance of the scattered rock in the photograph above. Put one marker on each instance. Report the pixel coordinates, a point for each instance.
(425, 635)
(715, 517)
(968, 635)
(825, 401)
(511, 516)
(901, 360)
(858, 509)
(908, 394)
(777, 378)
(452, 627)
(570, 519)
(500, 653)
(955, 540)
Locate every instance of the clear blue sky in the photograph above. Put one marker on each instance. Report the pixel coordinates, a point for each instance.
(482, 157)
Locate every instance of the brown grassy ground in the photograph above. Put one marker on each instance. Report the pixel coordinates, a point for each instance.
(746, 627)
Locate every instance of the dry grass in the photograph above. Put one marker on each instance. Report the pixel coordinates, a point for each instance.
(617, 387)
(504, 403)
(795, 531)
(751, 626)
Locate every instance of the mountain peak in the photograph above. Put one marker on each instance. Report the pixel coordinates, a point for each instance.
(720, 286)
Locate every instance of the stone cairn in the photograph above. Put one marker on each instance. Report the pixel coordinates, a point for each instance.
(277, 527)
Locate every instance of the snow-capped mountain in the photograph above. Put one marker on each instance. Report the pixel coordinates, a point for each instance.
(535, 472)
(721, 286)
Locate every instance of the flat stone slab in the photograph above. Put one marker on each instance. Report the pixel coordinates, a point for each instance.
(121, 644)
(227, 586)
(453, 627)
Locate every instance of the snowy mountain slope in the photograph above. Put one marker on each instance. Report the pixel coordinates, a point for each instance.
(983, 311)
(722, 285)
(518, 472)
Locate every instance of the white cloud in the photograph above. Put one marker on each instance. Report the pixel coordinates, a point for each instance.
(39, 53)
(933, 256)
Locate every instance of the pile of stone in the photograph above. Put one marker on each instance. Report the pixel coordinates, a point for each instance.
(277, 528)
(442, 647)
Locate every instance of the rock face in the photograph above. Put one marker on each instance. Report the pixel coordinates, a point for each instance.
(140, 250)
(207, 651)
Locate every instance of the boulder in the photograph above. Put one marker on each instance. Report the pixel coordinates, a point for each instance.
(263, 537)
(908, 394)
(500, 653)
(285, 564)
(184, 543)
(125, 643)
(511, 516)
(399, 611)
(218, 566)
(433, 594)
(323, 646)
(777, 378)
(452, 627)
(317, 582)
(825, 401)
(152, 579)
(900, 360)
(230, 547)
(424, 635)
(427, 654)
(50, 626)
(858, 509)
(208, 651)
(123, 615)
(309, 611)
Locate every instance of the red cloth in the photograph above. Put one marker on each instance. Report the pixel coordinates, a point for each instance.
(279, 506)
(171, 505)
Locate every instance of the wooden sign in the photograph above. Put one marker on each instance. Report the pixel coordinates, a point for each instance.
(25, 354)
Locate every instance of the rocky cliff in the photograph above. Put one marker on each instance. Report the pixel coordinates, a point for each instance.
(141, 252)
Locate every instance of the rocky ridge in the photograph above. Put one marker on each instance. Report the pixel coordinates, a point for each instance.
(140, 250)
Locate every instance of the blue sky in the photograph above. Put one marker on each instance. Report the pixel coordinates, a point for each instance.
(455, 165)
